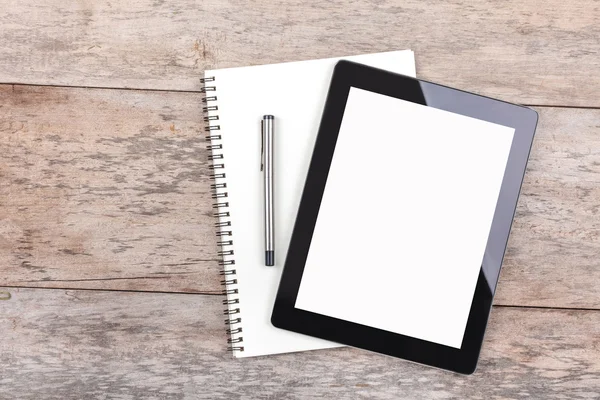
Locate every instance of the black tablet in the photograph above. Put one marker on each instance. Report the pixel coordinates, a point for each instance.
(404, 217)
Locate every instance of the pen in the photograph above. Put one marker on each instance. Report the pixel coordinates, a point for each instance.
(267, 137)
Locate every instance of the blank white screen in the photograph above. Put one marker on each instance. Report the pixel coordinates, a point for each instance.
(405, 218)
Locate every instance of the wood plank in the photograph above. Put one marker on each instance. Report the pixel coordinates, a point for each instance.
(105, 189)
(84, 344)
(533, 52)
(552, 259)
(108, 189)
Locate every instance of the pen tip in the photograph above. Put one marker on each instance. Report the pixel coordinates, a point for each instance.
(269, 258)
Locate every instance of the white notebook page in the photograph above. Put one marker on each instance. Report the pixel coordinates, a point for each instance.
(405, 218)
(295, 94)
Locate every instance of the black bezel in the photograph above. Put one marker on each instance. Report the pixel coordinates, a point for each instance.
(346, 75)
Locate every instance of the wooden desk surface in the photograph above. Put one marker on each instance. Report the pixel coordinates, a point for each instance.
(107, 244)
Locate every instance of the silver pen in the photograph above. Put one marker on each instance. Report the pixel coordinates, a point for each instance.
(267, 137)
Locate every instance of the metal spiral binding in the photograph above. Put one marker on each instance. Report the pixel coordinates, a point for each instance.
(219, 193)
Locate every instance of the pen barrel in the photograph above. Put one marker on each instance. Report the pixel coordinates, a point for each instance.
(268, 134)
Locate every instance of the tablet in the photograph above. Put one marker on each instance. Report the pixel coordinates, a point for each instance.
(404, 217)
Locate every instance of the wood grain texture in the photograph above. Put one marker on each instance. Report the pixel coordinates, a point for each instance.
(104, 189)
(534, 52)
(553, 254)
(96, 345)
(108, 189)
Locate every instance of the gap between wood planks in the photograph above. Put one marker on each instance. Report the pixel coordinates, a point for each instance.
(199, 91)
(212, 293)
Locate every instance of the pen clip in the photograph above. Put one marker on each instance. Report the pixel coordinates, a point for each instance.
(262, 144)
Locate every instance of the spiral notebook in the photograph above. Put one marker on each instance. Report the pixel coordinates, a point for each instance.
(236, 99)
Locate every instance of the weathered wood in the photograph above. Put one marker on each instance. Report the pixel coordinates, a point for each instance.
(108, 189)
(553, 254)
(88, 344)
(534, 52)
(104, 189)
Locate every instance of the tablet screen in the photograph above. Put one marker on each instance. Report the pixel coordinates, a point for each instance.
(405, 217)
